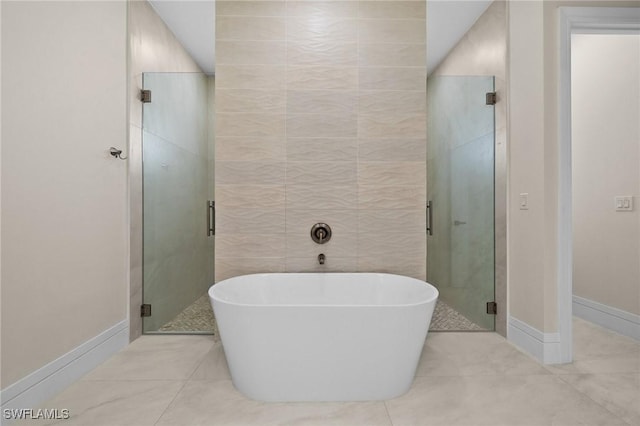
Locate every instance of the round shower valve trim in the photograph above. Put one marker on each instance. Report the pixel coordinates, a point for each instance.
(320, 233)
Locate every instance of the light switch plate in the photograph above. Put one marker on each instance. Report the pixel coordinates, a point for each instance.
(524, 201)
(624, 203)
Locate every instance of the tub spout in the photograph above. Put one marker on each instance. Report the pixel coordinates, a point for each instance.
(321, 258)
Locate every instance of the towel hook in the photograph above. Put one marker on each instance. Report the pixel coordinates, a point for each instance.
(117, 153)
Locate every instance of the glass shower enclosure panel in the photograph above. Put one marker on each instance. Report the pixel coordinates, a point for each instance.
(460, 190)
(177, 187)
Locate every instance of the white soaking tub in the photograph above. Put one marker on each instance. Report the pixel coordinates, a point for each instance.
(322, 336)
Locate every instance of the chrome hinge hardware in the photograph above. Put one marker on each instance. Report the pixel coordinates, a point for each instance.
(492, 98)
(145, 310)
(145, 96)
(492, 308)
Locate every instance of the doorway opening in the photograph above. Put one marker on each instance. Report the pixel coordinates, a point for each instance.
(576, 20)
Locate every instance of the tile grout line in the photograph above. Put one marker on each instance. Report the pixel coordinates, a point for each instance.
(204, 357)
(571, 386)
(184, 383)
(286, 263)
(386, 408)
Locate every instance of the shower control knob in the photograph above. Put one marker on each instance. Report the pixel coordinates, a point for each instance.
(320, 233)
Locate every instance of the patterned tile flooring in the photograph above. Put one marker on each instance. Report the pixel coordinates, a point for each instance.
(445, 318)
(198, 317)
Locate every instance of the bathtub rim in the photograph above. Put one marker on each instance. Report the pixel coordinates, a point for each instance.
(432, 299)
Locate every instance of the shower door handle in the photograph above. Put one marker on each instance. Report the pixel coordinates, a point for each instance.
(429, 217)
(211, 218)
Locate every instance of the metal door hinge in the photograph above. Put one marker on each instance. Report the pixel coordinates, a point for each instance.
(145, 310)
(145, 96)
(492, 308)
(492, 98)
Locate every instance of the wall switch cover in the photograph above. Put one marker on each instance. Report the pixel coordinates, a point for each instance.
(524, 201)
(624, 203)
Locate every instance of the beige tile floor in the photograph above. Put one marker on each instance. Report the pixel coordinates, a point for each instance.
(463, 379)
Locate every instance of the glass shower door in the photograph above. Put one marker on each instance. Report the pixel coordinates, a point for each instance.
(460, 187)
(177, 186)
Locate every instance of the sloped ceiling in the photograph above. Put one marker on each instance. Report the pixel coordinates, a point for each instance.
(193, 23)
(447, 22)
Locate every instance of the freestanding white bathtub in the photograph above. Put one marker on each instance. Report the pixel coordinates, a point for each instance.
(322, 336)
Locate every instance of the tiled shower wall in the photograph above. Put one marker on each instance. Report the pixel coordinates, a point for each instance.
(320, 117)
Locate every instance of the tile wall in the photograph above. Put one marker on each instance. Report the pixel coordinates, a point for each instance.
(320, 117)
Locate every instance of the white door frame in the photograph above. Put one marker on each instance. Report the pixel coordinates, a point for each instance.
(576, 20)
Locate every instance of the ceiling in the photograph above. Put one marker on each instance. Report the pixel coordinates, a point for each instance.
(447, 22)
(193, 23)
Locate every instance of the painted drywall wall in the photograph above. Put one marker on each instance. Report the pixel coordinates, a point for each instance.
(321, 120)
(153, 48)
(605, 156)
(526, 234)
(64, 205)
(483, 51)
(533, 159)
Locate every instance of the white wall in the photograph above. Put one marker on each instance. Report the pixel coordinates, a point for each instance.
(64, 204)
(533, 165)
(526, 164)
(606, 154)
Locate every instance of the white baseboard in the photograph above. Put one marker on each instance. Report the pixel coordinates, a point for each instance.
(545, 347)
(46, 382)
(614, 319)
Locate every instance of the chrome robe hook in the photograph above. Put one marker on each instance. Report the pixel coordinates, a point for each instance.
(117, 153)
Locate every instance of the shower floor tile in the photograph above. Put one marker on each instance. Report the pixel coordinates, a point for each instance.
(198, 317)
(445, 318)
